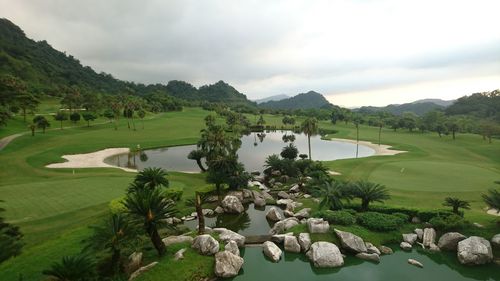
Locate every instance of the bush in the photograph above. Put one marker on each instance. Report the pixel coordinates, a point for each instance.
(116, 206)
(403, 216)
(379, 221)
(342, 217)
(447, 223)
(429, 215)
(386, 210)
(174, 193)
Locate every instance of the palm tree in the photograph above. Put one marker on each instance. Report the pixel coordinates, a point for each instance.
(115, 235)
(456, 203)
(310, 128)
(72, 268)
(369, 192)
(152, 177)
(492, 199)
(197, 155)
(151, 208)
(197, 202)
(333, 192)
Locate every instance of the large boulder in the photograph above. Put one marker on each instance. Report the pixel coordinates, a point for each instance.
(351, 242)
(236, 193)
(291, 244)
(303, 214)
(273, 214)
(142, 270)
(227, 264)
(134, 262)
(429, 237)
(371, 249)
(232, 247)
(283, 195)
(449, 241)
(474, 251)
(205, 245)
(495, 241)
(410, 238)
(259, 201)
(226, 235)
(369, 257)
(405, 246)
(317, 225)
(385, 250)
(325, 254)
(420, 233)
(280, 238)
(231, 204)
(283, 225)
(271, 251)
(304, 241)
(177, 239)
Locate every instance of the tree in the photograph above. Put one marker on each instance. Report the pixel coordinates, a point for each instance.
(151, 208)
(310, 128)
(369, 192)
(489, 129)
(492, 199)
(152, 178)
(115, 235)
(289, 152)
(452, 126)
(261, 121)
(72, 98)
(108, 113)
(141, 113)
(10, 239)
(409, 120)
(41, 122)
(72, 268)
(197, 155)
(332, 192)
(4, 115)
(61, 116)
(456, 203)
(89, 116)
(288, 120)
(75, 117)
(32, 127)
(26, 102)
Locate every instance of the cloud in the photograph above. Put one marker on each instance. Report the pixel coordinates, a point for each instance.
(263, 48)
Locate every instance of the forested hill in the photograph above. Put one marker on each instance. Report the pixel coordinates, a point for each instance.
(307, 100)
(46, 70)
(419, 108)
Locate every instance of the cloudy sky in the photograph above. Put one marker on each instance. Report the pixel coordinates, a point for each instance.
(355, 52)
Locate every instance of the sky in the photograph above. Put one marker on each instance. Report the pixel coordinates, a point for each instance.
(355, 52)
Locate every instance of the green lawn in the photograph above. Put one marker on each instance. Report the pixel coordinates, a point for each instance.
(53, 207)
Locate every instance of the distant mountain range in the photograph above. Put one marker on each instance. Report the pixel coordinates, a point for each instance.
(419, 107)
(307, 100)
(272, 98)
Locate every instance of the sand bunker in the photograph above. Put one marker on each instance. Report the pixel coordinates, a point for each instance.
(91, 160)
(379, 149)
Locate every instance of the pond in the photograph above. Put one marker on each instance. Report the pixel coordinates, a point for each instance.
(254, 150)
(251, 222)
(296, 267)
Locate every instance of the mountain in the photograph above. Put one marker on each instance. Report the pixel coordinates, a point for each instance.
(419, 108)
(46, 70)
(440, 102)
(272, 98)
(307, 100)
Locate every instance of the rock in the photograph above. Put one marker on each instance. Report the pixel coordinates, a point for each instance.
(236, 193)
(405, 246)
(369, 257)
(291, 244)
(304, 241)
(449, 241)
(176, 240)
(280, 238)
(188, 218)
(290, 207)
(194, 214)
(179, 255)
(227, 264)
(429, 237)
(283, 195)
(307, 196)
(207, 230)
(284, 202)
(134, 262)
(246, 193)
(303, 214)
(478, 225)
(495, 241)
(415, 220)
(325, 254)
(207, 212)
(276, 173)
(226, 235)
(434, 248)
(283, 225)
(259, 201)
(294, 189)
(271, 251)
(410, 238)
(205, 245)
(370, 249)
(232, 204)
(420, 233)
(385, 250)
(288, 213)
(351, 242)
(274, 215)
(142, 270)
(219, 210)
(267, 196)
(474, 251)
(316, 225)
(415, 263)
(232, 247)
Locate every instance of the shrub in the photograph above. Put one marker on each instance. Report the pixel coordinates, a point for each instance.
(386, 209)
(379, 221)
(342, 217)
(447, 223)
(403, 216)
(116, 206)
(174, 193)
(428, 215)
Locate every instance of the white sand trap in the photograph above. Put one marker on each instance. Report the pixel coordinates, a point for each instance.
(379, 149)
(493, 212)
(91, 160)
(333, 173)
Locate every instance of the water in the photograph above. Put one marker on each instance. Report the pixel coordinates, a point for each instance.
(251, 222)
(296, 267)
(253, 152)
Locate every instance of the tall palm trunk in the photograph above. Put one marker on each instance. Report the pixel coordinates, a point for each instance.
(156, 240)
(309, 145)
(199, 213)
(379, 134)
